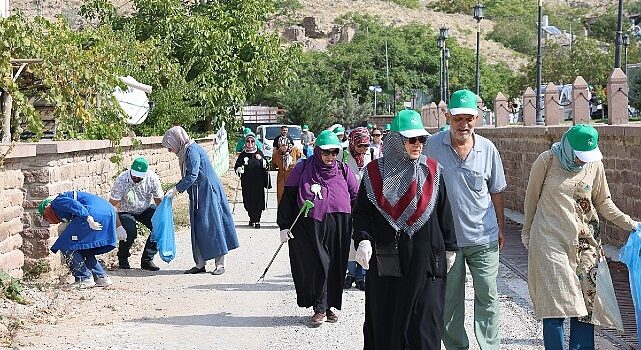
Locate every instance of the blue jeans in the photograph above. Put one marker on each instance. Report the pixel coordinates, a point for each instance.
(581, 334)
(356, 271)
(83, 264)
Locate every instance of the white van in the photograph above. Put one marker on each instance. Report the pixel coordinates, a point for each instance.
(268, 133)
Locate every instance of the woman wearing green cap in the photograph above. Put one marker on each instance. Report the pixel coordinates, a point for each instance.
(319, 250)
(251, 166)
(568, 276)
(404, 232)
(88, 227)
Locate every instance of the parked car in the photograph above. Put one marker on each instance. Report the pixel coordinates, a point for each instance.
(268, 133)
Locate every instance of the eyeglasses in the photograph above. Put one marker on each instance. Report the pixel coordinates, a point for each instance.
(327, 152)
(412, 140)
(250, 141)
(377, 135)
(363, 145)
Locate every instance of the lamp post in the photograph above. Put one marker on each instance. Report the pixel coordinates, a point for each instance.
(618, 40)
(446, 80)
(440, 41)
(626, 43)
(539, 63)
(376, 89)
(478, 16)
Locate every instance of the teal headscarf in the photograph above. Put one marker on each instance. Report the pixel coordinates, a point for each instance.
(564, 152)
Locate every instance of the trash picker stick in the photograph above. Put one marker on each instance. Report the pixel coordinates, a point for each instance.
(307, 205)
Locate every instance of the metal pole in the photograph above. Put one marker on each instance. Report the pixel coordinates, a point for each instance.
(375, 103)
(625, 59)
(447, 76)
(618, 38)
(478, 58)
(441, 75)
(539, 63)
(387, 72)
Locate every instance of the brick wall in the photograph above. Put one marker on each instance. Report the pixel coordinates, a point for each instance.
(621, 148)
(51, 167)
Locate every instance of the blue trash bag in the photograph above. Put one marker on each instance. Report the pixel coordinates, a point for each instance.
(163, 230)
(631, 256)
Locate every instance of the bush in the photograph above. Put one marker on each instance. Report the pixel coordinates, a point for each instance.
(413, 4)
(515, 34)
(11, 288)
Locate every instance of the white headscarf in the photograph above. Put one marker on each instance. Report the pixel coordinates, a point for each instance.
(177, 139)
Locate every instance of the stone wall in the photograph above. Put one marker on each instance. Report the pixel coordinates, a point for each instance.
(57, 166)
(620, 145)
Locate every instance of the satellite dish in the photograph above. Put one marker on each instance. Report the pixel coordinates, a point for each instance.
(133, 101)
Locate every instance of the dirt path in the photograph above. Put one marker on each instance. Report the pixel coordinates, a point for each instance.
(170, 310)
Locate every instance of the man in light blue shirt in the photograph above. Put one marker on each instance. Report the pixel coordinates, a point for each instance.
(475, 181)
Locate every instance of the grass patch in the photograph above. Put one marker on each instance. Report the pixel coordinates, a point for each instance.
(11, 288)
(412, 4)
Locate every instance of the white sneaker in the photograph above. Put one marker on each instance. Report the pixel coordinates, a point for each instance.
(82, 284)
(103, 281)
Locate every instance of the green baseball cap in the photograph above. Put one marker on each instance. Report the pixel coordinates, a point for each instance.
(584, 140)
(387, 126)
(44, 203)
(339, 130)
(369, 125)
(408, 123)
(327, 140)
(139, 167)
(305, 127)
(463, 102)
(246, 131)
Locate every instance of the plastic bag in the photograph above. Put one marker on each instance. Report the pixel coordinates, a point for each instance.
(163, 230)
(631, 256)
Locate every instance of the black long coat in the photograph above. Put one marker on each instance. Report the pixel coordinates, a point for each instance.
(406, 312)
(254, 181)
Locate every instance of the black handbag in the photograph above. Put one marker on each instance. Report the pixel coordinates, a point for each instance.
(387, 260)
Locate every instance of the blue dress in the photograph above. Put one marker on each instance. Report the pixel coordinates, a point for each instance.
(212, 225)
(74, 207)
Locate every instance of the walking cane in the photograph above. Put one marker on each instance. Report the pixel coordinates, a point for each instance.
(242, 171)
(307, 205)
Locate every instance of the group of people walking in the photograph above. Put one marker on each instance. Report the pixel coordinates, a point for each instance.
(413, 211)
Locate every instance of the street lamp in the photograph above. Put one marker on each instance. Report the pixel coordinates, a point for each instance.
(618, 40)
(446, 81)
(539, 64)
(478, 16)
(376, 89)
(626, 43)
(440, 41)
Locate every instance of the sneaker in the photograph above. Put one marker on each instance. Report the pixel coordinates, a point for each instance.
(347, 284)
(103, 281)
(195, 269)
(219, 270)
(251, 223)
(331, 316)
(149, 265)
(82, 284)
(360, 285)
(257, 225)
(124, 264)
(318, 319)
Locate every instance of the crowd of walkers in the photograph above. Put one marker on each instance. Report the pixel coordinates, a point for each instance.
(394, 211)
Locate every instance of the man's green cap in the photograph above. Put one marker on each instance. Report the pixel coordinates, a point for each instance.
(139, 167)
(463, 102)
(369, 125)
(387, 126)
(327, 140)
(305, 127)
(584, 141)
(339, 130)
(44, 203)
(408, 123)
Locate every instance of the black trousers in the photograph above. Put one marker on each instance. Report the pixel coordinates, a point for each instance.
(128, 221)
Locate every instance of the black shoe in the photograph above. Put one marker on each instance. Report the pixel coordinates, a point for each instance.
(124, 264)
(195, 269)
(149, 265)
(257, 225)
(347, 284)
(360, 285)
(251, 223)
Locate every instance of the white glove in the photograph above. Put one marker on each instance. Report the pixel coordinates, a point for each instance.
(62, 227)
(121, 233)
(285, 235)
(93, 224)
(450, 258)
(240, 171)
(364, 253)
(171, 193)
(525, 239)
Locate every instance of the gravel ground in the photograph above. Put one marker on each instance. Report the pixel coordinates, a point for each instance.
(167, 309)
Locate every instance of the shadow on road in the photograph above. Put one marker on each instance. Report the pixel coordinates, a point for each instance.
(144, 273)
(225, 319)
(245, 287)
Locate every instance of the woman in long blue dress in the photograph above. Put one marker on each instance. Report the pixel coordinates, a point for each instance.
(213, 233)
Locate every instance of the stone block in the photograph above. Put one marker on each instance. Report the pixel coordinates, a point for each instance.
(35, 249)
(11, 243)
(36, 175)
(11, 260)
(12, 179)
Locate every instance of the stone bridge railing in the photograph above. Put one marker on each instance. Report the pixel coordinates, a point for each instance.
(33, 171)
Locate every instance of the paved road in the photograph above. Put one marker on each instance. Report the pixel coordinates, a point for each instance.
(170, 310)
